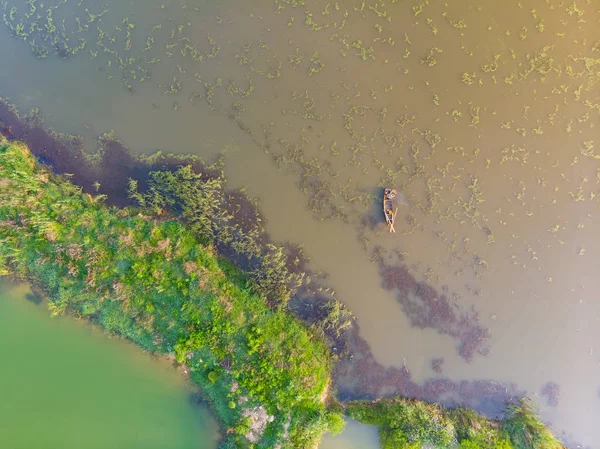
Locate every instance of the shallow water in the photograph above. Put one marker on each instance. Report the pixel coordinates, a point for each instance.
(66, 384)
(495, 156)
(354, 436)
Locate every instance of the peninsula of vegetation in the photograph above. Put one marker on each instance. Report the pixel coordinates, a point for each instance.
(154, 280)
(151, 281)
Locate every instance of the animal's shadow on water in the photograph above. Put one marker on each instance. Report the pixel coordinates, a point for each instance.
(34, 298)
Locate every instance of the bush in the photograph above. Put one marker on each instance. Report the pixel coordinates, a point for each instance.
(469, 444)
(503, 443)
(474, 428)
(525, 429)
(213, 376)
(415, 424)
(396, 439)
(418, 421)
(243, 426)
(335, 422)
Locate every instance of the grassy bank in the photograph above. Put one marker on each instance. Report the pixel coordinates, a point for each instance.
(194, 192)
(160, 283)
(410, 424)
(153, 282)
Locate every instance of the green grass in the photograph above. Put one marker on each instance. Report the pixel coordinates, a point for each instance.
(406, 421)
(526, 430)
(154, 283)
(413, 424)
(200, 202)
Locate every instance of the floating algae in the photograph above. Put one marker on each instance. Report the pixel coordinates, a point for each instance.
(430, 60)
(316, 65)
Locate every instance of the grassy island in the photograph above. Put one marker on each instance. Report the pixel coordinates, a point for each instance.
(152, 280)
(264, 373)
(411, 424)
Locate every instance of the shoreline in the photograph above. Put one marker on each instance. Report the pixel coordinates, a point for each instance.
(211, 321)
(45, 241)
(66, 154)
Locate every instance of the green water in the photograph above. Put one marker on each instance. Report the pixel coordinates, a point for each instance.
(64, 384)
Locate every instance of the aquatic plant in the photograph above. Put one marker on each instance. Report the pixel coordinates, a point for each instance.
(415, 424)
(408, 421)
(525, 428)
(201, 203)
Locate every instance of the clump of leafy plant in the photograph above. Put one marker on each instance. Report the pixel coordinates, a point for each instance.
(413, 424)
(525, 429)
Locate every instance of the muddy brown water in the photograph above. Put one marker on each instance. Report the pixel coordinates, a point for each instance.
(484, 115)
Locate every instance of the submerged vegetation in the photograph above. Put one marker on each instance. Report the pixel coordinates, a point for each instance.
(195, 193)
(202, 206)
(152, 281)
(410, 424)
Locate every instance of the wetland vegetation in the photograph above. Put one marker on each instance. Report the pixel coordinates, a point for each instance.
(409, 424)
(153, 281)
(483, 114)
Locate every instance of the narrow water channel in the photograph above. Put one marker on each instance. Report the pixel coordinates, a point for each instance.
(65, 384)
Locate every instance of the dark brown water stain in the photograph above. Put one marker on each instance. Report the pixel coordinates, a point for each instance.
(551, 391)
(427, 308)
(360, 376)
(109, 170)
(436, 365)
(423, 305)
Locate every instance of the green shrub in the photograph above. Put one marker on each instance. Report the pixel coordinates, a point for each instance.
(335, 422)
(503, 443)
(243, 426)
(525, 429)
(474, 428)
(396, 439)
(418, 421)
(413, 424)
